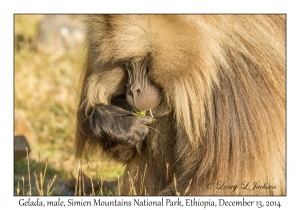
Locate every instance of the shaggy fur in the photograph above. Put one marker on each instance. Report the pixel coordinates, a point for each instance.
(223, 86)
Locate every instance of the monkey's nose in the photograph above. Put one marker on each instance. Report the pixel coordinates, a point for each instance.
(135, 91)
(132, 95)
(135, 88)
(141, 98)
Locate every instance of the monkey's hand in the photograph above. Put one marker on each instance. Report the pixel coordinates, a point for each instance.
(116, 125)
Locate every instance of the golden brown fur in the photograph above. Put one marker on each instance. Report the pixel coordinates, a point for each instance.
(223, 81)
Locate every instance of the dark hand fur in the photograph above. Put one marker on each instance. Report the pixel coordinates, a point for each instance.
(112, 124)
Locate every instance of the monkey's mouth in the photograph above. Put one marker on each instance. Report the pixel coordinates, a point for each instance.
(160, 109)
(153, 111)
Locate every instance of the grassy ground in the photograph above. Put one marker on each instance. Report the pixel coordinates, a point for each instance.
(46, 92)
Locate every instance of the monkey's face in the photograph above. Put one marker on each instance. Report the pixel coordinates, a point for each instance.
(142, 94)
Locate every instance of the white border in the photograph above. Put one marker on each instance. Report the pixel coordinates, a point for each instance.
(8, 8)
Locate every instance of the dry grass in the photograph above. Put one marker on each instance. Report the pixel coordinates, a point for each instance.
(100, 184)
(46, 87)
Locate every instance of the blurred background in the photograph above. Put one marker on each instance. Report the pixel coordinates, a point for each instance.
(48, 61)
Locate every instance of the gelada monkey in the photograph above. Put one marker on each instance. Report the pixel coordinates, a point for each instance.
(212, 88)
